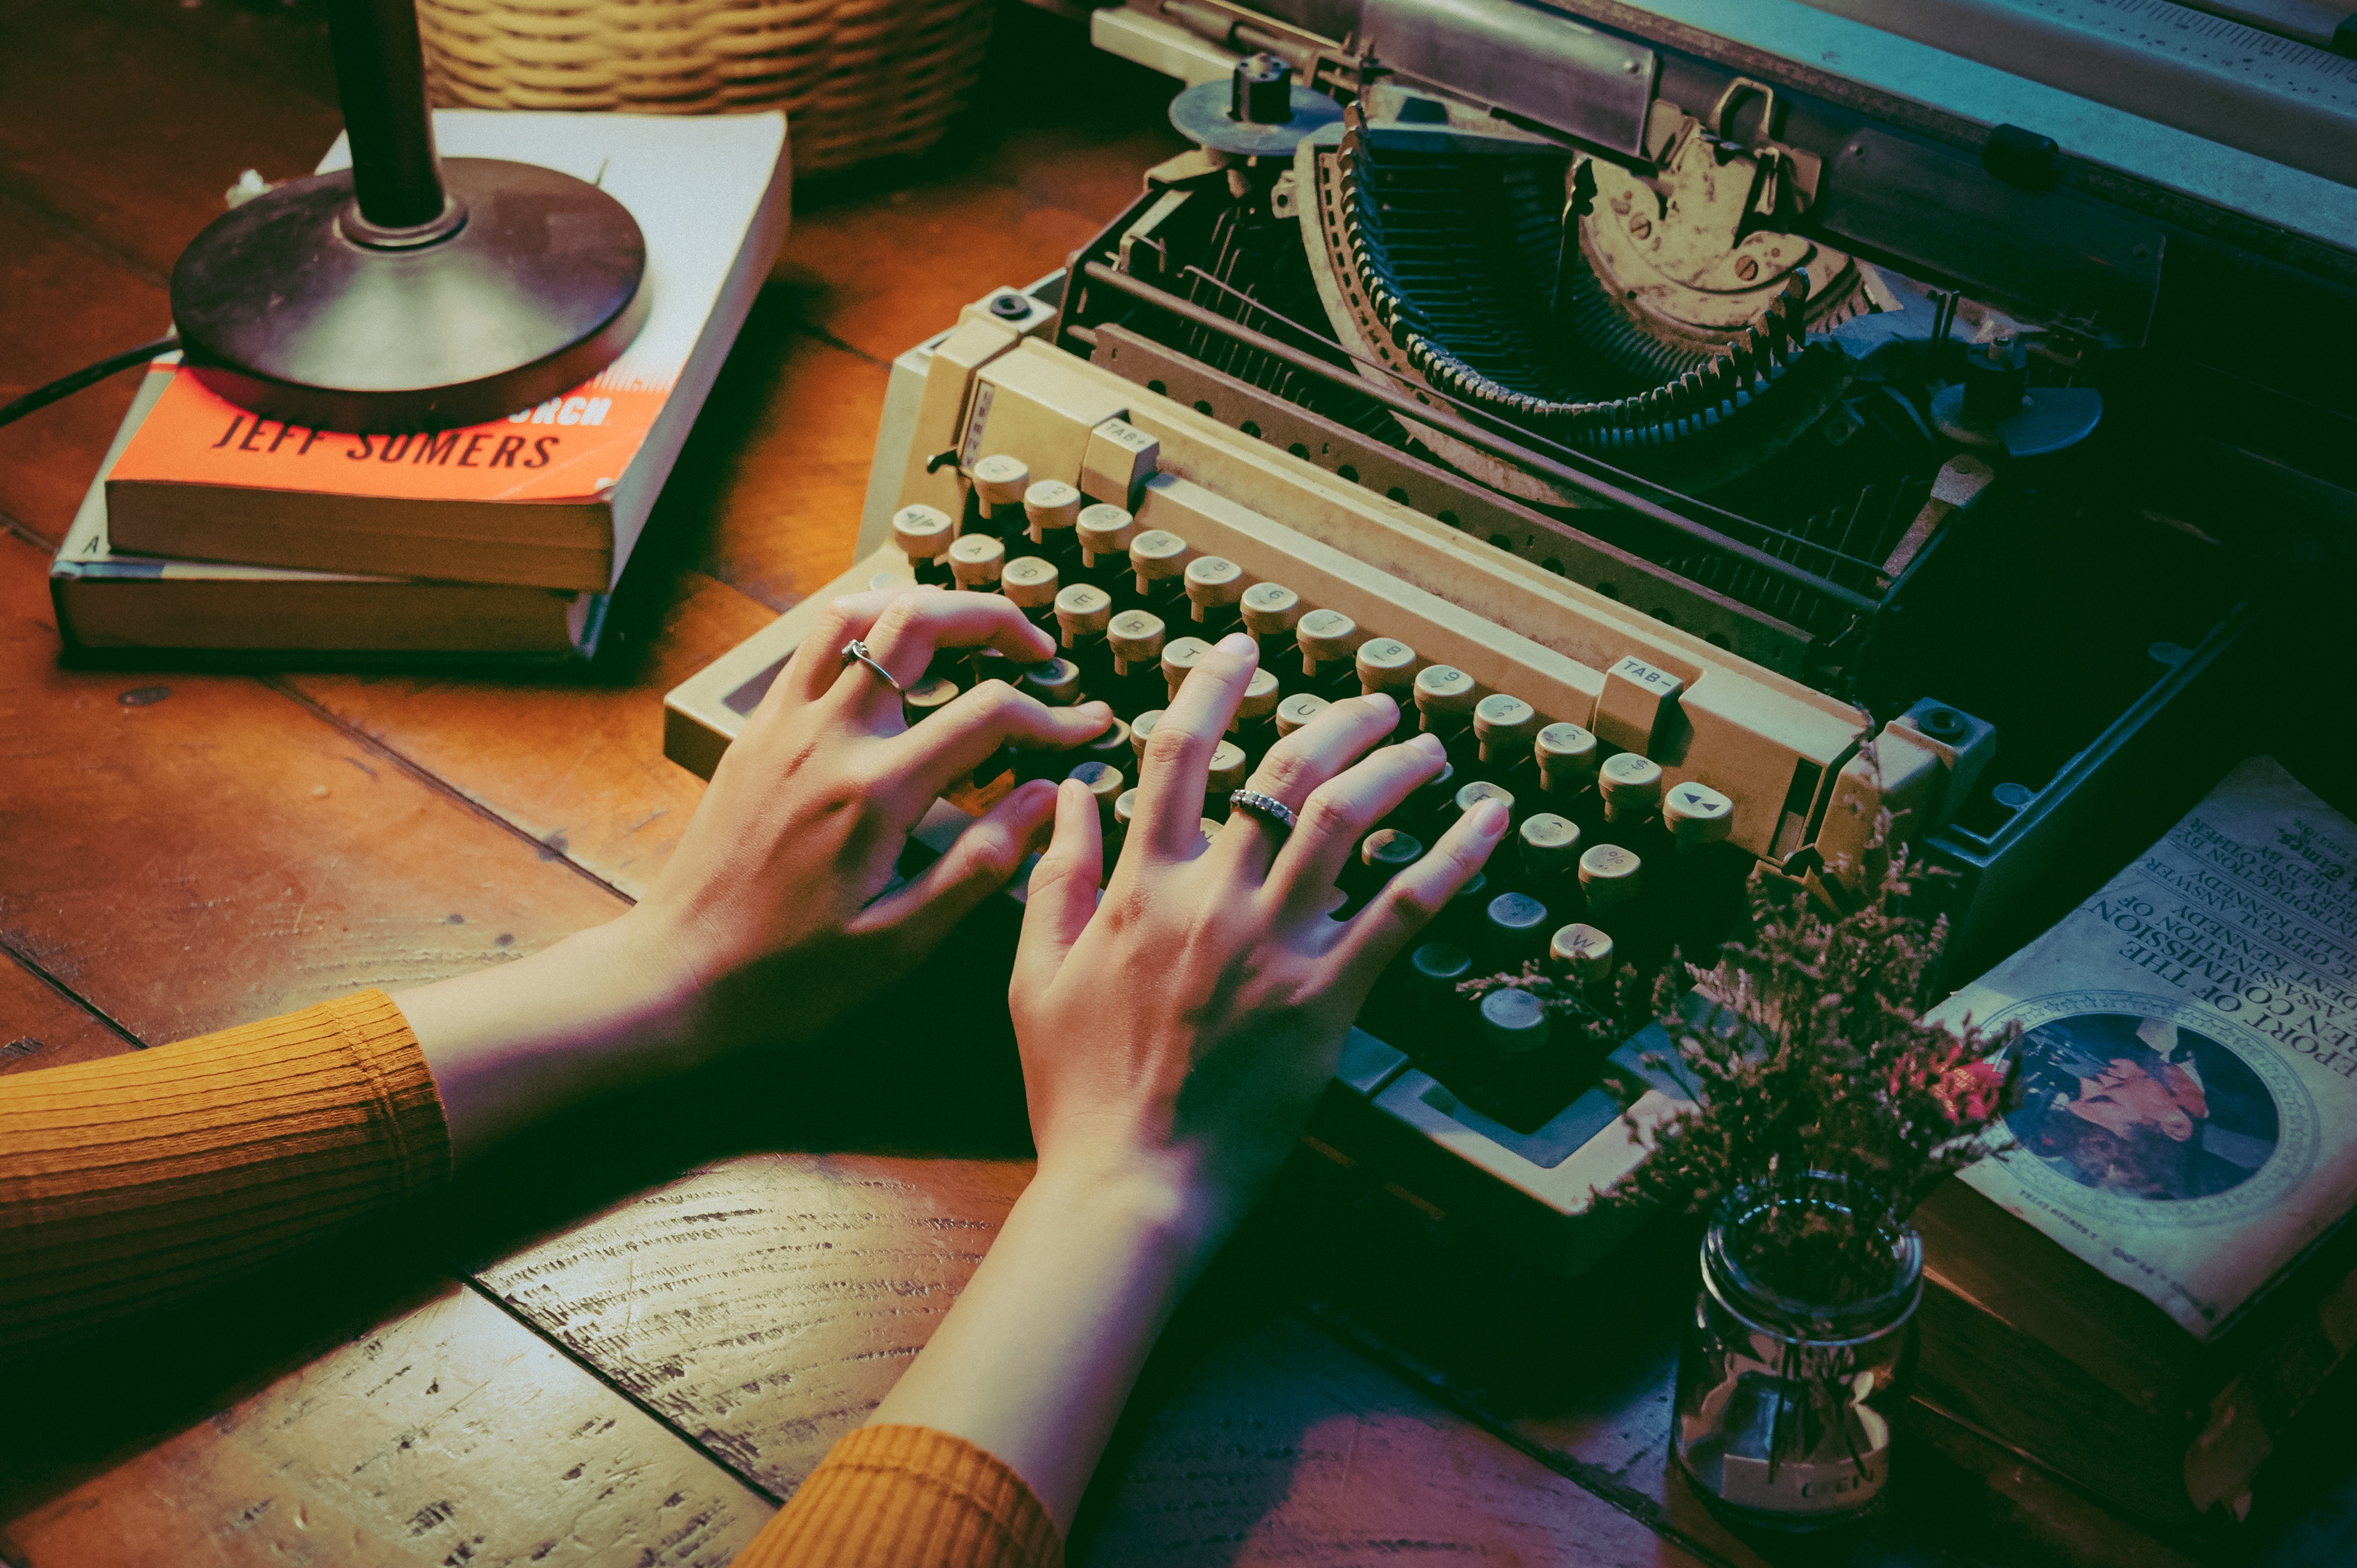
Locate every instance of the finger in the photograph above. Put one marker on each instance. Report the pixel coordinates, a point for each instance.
(1300, 764)
(902, 628)
(1177, 760)
(978, 862)
(956, 738)
(1376, 934)
(818, 658)
(1063, 892)
(1345, 809)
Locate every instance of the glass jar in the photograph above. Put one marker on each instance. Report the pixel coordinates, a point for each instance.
(1788, 1391)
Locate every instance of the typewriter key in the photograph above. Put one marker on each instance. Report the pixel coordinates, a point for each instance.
(1124, 808)
(1111, 747)
(1388, 665)
(924, 534)
(1433, 970)
(1051, 506)
(1514, 1023)
(1383, 855)
(928, 696)
(1632, 787)
(1584, 954)
(1549, 845)
(1055, 683)
(1227, 775)
(1104, 781)
(1000, 481)
(1158, 557)
(1508, 728)
(1032, 584)
(1326, 638)
(1104, 531)
(1698, 815)
(1609, 876)
(1298, 710)
(1515, 925)
(975, 560)
(1258, 701)
(1271, 610)
(1178, 656)
(1445, 696)
(1566, 758)
(1083, 612)
(1136, 639)
(1214, 586)
(1469, 796)
(1139, 728)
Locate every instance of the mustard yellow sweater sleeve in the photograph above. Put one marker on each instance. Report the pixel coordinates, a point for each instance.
(136, 1180)
(133, 1182)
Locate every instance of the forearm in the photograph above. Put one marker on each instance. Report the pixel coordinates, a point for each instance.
(598, 1011)
(1035, 1360)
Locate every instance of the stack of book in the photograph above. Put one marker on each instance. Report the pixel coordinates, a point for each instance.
(211, 529)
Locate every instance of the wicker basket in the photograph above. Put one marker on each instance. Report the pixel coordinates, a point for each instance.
(857, 78)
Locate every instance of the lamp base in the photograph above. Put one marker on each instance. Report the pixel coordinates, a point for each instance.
(296, 307)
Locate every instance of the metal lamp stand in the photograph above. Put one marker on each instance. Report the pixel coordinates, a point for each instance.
(407, 292)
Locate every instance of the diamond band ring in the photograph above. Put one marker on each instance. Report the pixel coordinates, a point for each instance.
(856, 649)
(1268, 806)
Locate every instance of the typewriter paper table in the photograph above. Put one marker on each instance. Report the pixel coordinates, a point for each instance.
(611, 1363)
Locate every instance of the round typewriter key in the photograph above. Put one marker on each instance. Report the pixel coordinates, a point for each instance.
(1227, 775)
(1001, 480)
(1083, 610)
(1567, 755)
(1103, 530)
(1270, 609)
(1609, 876)
(1298, 710)
(1214, 583)
(1139, 728)
(1258, 701)
(1178, 656)
(1436, 793)
(1055, 683)
(1550, 844)
(1434, 970)
(1113, 747)
(879, 582)
(922, 532)
(1584, 952)
(1481, 790)
(1117, 830)
(928, 696)
(1104, 781)
(1514, 1022)
(1156, 555)
(1632, 787)
(1445, 696)
(1124, 808)
(1326, 637)
(975, 560)
(1050, 505)
(1136, 638)
(1029, 581)
(1696, 814)
(1517, 925)
(1507, 728)
(1387, 851)
(1385, 664)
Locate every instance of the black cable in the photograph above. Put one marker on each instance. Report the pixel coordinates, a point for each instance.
(66, 386)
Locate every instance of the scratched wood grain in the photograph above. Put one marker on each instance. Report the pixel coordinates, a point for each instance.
(42, 1027)
(449, 1434)
(190, 852)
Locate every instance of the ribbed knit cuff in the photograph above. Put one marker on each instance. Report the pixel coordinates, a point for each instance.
(143, 1178)
(909, 1496)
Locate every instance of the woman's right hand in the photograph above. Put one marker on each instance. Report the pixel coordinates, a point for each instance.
(1177, 1029)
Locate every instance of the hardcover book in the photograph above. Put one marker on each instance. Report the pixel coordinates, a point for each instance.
(552, 495)
(2146, 1284)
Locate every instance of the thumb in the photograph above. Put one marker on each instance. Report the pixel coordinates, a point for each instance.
(1063, 894)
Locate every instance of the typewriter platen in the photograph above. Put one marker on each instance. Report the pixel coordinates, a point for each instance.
(1717, 450)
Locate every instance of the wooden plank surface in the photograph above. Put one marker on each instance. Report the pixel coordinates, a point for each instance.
(449, 1434)
(41, 1026)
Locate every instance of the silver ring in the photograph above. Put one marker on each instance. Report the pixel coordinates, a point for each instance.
(856, 649)
(1268, 806)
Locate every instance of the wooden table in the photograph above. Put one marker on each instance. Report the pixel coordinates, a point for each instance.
(631, 1338)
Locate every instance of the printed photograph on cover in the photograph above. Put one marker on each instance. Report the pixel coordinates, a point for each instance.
(2143, 1107)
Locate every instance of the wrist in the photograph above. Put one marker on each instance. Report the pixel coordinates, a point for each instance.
(1159, 1207)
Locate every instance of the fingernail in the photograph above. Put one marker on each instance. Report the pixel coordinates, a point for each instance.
(1494, 816)
(1430, 745)
(1382, 702)
(1237, 642)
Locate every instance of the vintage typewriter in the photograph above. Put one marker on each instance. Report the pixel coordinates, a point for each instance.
(1723, 452)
